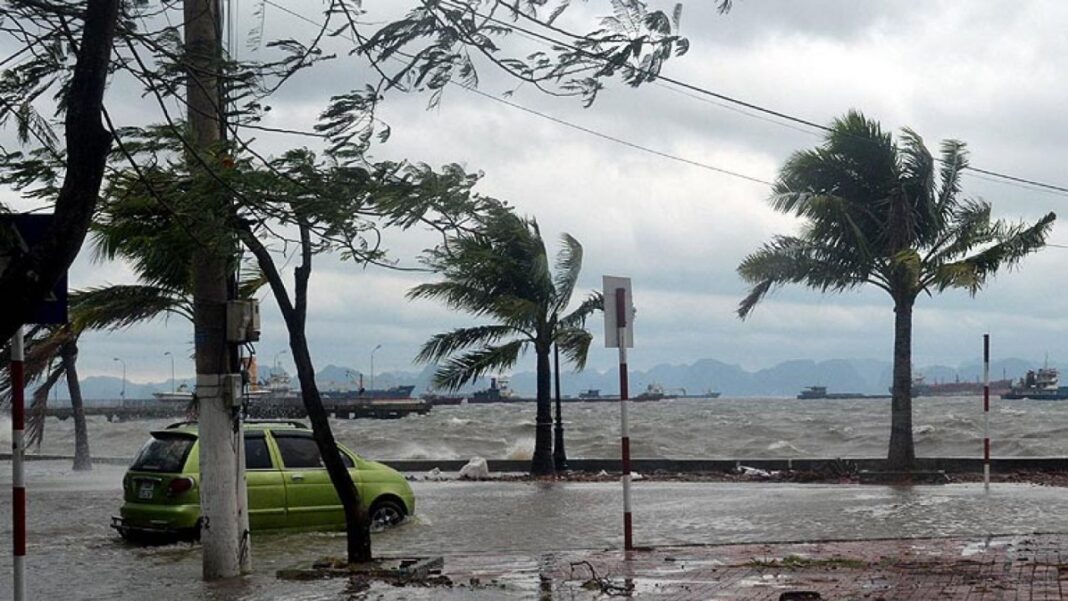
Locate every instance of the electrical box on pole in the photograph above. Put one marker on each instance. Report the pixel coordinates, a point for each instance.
(242, 321)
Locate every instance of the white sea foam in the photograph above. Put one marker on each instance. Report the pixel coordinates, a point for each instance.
(521, 449)
(924, 429)
(784, 445)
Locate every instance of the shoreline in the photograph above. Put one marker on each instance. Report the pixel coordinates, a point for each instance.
(1043, 471)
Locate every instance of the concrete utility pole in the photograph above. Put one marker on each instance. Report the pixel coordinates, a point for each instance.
(224, 529)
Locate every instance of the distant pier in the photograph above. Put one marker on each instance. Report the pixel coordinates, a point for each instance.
(143, 409)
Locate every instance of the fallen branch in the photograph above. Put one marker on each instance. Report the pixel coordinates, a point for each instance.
(602, 583)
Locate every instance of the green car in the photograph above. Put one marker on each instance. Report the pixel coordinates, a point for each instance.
(288, 487)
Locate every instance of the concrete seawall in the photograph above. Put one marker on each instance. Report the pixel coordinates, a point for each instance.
(951, 465)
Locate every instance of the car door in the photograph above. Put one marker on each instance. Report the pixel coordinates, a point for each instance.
(311, 501)
(266, 489)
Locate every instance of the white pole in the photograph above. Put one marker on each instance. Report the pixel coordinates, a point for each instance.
(621, 322)
(986, 411)
(18, 474)
(221, 476)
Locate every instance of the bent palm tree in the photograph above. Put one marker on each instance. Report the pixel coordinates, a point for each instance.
(876, 212)
(500, 270)
(51, 352)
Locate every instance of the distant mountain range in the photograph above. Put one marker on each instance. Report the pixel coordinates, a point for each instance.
(784, 379)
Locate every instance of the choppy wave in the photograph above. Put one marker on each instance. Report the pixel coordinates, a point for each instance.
(683, 429)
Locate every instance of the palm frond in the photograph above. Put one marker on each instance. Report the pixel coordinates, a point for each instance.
(969, 226)
(250, 283)
(35, 421)
(575, 344)
(1015, 242)
(788, 259)
(471, 365)
(568, 267)
(443, 345)
(120, 306)
(578, 317)
(954, 161)
(918, 186)
(460, 296)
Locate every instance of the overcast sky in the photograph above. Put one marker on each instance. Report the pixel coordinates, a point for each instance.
(980, 71)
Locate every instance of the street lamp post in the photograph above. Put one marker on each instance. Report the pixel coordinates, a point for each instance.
(352, 376)
(559, 455)
(171, 355)
(122, 395)
(373, 365)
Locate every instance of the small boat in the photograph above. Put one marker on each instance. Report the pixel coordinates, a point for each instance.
(1041, 385)
(654, 392)
(182, 395)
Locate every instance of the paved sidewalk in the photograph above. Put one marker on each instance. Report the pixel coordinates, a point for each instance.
(999, 568)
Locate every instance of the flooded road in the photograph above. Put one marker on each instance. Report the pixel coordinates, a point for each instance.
(74, 555)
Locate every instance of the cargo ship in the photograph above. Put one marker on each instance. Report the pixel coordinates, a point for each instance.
(958, 388)
(820, 392)
(367, 394)
(1041, 385)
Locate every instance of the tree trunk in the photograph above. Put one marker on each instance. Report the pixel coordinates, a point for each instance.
(902, 453)
(542, 462)
(26, 282)
(357, 520)
(69, 356)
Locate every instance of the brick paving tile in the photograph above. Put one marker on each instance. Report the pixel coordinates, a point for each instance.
(966, 569)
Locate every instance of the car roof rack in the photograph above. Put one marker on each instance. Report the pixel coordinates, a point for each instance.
(285, 422)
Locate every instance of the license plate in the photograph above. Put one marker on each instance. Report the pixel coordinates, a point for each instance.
(146, 489)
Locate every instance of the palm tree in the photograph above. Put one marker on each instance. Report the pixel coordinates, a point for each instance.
(160, 252)
(51, 352)
(886, 213)
(500, 270)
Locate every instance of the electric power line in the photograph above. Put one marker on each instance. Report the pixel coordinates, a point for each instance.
(1043, 186)
(698, 93)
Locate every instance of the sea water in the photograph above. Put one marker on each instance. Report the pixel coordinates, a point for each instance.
(677, 429)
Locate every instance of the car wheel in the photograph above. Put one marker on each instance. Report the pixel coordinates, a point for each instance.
(386, 512)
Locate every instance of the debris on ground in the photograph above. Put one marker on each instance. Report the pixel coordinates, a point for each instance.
(602, 583)
(476, 469)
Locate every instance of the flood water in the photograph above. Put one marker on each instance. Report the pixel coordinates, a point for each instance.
(74, 555)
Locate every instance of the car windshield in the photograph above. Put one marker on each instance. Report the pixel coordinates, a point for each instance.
(163, 453)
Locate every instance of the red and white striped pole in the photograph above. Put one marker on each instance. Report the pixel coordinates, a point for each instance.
(986, 411)
(18, 475)
(621, 323)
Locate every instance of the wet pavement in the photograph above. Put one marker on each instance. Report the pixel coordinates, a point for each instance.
(518, 539)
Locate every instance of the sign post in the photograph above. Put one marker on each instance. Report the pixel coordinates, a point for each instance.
(619, 332)
(18, 457)
(986, 411)
(18, 233)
